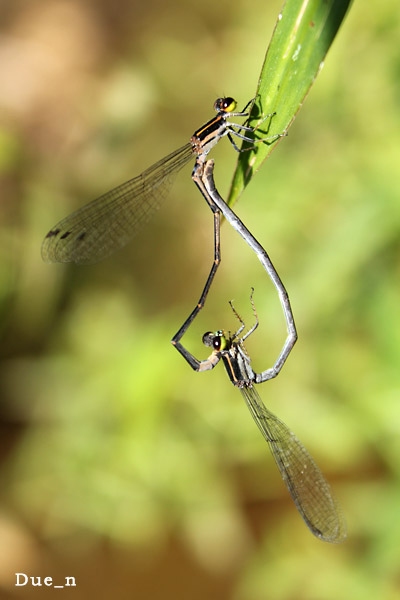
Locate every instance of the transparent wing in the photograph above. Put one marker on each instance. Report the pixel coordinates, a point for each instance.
(106, 224)
(307, 485)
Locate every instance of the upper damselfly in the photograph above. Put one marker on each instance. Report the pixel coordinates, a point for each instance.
(106, 224)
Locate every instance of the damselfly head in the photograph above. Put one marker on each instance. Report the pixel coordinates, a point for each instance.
(225, 105)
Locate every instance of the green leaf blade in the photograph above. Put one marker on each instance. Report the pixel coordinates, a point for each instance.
(302, 37)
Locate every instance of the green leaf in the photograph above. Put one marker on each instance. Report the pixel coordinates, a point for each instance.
(303, 34)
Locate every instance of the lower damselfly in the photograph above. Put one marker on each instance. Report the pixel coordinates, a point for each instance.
(307, 486)
(108, 223)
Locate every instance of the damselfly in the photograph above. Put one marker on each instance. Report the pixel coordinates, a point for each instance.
(106, 224)
(307, 486)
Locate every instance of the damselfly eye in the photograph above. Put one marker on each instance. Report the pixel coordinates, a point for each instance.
(229, 104)
(208, 339)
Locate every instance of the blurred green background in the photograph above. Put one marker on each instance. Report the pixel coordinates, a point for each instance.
(119, 465)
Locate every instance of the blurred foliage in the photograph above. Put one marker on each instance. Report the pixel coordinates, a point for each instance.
(106, 432)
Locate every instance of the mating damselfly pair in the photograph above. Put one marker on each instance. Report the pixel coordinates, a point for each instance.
(106, 224)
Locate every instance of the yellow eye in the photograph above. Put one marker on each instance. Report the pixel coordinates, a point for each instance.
(220, 341)
(229, 104)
